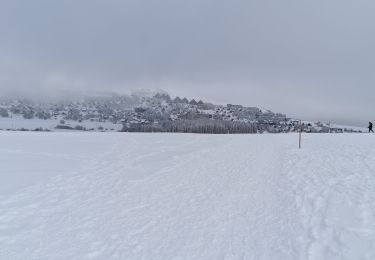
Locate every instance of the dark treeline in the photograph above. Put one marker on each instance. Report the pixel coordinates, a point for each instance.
(202, 126)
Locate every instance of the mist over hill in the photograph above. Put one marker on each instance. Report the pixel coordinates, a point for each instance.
(143, 111)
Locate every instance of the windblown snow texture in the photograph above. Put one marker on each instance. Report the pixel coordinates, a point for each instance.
(181, 196)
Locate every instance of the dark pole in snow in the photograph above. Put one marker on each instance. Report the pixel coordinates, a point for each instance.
(300, 134)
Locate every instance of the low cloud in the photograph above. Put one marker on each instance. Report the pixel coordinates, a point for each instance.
(308, 59)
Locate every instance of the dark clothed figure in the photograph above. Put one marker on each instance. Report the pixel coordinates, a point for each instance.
(370, 127)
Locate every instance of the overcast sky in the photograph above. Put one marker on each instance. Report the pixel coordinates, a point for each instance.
(311, 59)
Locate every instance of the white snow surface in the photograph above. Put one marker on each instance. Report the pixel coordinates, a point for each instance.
(18, 122)
(76, 195)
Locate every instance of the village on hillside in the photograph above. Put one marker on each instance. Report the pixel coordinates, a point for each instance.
(157, 112)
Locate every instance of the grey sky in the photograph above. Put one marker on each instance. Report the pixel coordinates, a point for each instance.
(309, 59)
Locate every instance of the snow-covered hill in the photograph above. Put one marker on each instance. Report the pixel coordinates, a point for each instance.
(148, 111)
(181, 196)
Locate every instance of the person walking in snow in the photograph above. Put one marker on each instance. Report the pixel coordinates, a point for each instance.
(370, 127)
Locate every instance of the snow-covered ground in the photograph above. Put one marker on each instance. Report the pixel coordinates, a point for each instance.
(18, 122)
(76, 195)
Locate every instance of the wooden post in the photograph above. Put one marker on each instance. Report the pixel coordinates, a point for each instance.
(300, 134)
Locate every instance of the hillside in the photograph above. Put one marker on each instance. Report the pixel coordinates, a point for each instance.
(146, 111)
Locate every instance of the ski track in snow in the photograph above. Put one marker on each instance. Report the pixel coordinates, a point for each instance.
(182, 196)
(336, 197)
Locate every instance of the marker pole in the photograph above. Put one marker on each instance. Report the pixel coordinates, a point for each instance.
(300, 134)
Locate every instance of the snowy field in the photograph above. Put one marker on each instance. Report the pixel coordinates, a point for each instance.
(83, 195)
(18, 122)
